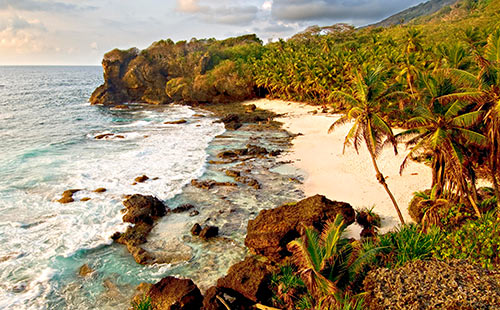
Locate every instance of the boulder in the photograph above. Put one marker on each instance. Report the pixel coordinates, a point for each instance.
(85, 271)
(100, 190)
(270, 232)
(209, 232)
(142, 208)
(141, 179)
(175, 294)
(249, 278)
(250, 108)
(209, 184)
(178, 122)
(196, 229)
(67, 196)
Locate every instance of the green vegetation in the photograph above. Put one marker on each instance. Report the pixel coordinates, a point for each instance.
(477, 241)
(143, 304)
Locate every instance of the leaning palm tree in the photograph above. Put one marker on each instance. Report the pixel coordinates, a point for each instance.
(367, 97)
(326, 262)
(446, 130)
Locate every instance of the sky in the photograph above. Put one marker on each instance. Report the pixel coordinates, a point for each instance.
(79, 32)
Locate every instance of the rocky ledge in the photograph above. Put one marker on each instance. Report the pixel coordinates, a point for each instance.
(248, 282)
(169, 72)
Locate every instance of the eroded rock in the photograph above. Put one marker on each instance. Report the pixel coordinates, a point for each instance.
(269, 233)
(175, 294)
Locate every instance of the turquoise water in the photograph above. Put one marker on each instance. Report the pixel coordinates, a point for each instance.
(48, 145)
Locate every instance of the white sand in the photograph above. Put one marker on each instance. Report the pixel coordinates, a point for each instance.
(348, 177)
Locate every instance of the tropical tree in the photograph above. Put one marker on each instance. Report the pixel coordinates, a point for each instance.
(444, 129)
(487, 83)
(326, 262)
(367, 97)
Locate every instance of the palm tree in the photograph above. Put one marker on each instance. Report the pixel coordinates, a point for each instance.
(367, 96)
(445, 130)
(326, 262)
(487, 81)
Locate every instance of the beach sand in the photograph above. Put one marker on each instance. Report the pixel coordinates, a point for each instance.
(348, 176)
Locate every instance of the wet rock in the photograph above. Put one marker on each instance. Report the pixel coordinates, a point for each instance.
(255, 150)
(120, 137)
(233, 173)
(178, 122)
(248, 181)
(275, 153)
(270, 232)
(183, 208)
(209, 232)
(194, 213)
(85, 199)
(100, 190)
(231, 122)
(141, 179)
(198, 115)
(103, 136)
(175, 294)
(196, 229)
(454, 284)
(134, 235)
(209, 184)
(85, 271)
(143, 209)
(67, 196)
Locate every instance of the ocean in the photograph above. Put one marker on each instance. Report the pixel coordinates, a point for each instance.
(48, 145)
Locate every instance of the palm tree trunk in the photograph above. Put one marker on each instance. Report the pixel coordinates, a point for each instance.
(381, 180)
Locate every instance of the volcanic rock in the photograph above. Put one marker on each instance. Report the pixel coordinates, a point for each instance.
(175, 294)
(269, 233)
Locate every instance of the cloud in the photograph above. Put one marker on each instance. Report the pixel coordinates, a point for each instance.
(221, 14)
(337, 10)
(38, 5)
(15, 23)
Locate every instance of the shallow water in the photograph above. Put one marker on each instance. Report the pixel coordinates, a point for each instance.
(48, 144)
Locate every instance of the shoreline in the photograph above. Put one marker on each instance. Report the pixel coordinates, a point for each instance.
(348, 176)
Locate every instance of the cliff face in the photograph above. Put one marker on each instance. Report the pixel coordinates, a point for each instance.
(195, 71)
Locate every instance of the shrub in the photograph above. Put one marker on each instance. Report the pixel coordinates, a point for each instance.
(476, 240)
(409, 243)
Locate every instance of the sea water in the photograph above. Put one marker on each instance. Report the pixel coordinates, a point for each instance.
(48, 145)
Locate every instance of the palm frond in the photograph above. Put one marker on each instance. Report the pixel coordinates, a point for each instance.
(468, 120)
(341, 121)
(473, 137)
(454, 109)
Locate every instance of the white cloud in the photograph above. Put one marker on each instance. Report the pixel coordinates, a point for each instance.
(93, 45)
(234, 13)
(188, 6)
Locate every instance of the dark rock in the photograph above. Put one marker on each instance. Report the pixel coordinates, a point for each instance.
(255, 150)
(134, 235)
(175, 294)
(227, 154)
(85, 199)
(143, 209)
(141, 179)
(194, 213)
(269, 233)
(209, 184)
(85, 271)
(249, 278)
(103, 136)
(67, 196)
(275, 153)
(120, 137)
(233, 173)
(248, 181)
(196, 229)
(183, 208)
(178, 122)
(209, 232)
(100, 190)
(116, 236)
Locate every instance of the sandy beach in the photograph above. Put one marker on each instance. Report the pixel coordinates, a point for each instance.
(347, 176)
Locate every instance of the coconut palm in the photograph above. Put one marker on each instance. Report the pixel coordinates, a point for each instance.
(444, 129)
(487, 81)
(326, 262)
(367, 96)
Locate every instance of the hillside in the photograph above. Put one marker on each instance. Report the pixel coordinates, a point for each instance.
(423, 9)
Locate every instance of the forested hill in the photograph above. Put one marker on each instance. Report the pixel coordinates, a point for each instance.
(423, 9)
(308, 67)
